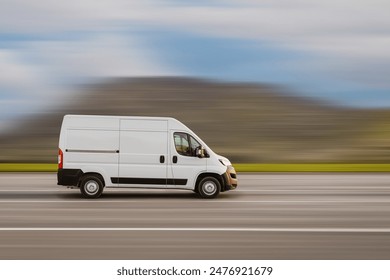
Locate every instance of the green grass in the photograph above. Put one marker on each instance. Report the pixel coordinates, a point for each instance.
(28, 167)
(240, 167)
(315, 167)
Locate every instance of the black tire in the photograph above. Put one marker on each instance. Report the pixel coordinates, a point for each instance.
(209, 187)
(91, 186)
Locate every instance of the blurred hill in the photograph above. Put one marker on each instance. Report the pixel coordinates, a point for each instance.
(245, 122)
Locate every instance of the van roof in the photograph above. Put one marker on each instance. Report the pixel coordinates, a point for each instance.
(174, 123)
(118, 117)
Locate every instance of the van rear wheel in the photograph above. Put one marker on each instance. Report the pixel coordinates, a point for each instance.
(91, 186)
(209, 187)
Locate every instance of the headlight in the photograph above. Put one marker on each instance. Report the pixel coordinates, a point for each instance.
(225, 162)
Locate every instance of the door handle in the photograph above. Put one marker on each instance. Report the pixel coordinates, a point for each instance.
(174, 159)
(162, 159)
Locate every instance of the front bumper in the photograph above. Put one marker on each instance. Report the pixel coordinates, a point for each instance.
(230, 179)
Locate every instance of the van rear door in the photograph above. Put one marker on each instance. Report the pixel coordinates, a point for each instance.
(143, 153)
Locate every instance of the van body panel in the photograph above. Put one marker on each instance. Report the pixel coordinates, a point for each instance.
(91, 122)
(215, 166)
(143, 153)
(143, 125)
(91, 144)
(92, 140)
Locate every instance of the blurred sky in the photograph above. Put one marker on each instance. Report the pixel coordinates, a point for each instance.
(336, 50)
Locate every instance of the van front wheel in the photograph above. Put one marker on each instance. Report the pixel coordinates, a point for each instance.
(209, 187)
(91, 186)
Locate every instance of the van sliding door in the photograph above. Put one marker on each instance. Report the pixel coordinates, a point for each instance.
(143, 153)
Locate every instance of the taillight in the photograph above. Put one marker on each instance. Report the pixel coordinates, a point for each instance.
(60, 159)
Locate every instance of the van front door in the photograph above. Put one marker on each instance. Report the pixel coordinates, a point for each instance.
(186, 166)
(143, 153)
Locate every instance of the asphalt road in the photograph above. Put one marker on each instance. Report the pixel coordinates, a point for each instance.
(269, 216)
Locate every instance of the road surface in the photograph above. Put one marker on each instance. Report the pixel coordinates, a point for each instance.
(269, 216)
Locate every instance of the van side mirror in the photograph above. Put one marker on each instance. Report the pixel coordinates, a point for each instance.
(200, 153)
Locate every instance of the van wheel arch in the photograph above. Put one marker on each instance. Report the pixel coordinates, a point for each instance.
(92, 174)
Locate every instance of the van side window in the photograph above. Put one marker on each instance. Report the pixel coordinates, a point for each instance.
(185, 144)
(182, 143)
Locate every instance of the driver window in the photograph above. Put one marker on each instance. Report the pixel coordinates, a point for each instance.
(182, 143)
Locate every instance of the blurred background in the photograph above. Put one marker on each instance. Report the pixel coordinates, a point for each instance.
(260, 81)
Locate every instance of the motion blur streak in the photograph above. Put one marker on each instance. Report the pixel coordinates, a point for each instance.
(349, 222)
(244, 122)
(351, 230)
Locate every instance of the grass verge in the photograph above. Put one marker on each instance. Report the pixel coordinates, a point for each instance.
(240, 167)
(28, 167)
(315, 167)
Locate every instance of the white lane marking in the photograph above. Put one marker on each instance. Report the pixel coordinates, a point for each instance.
(329, 230)
(194, 201)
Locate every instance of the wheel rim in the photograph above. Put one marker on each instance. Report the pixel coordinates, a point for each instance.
(91, 187)
(209, 187)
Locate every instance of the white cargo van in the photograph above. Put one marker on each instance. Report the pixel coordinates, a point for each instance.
(138, 152)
